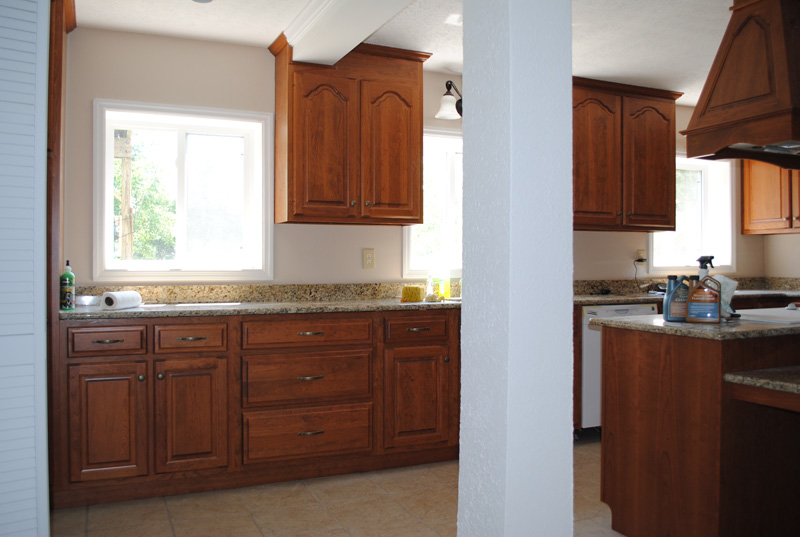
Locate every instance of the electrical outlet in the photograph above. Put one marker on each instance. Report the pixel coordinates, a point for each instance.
(368, 258)
(641, 254)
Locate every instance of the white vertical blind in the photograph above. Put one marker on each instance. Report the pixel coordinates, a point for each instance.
(23, 165)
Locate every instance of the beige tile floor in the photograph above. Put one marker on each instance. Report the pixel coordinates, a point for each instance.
(419, 501)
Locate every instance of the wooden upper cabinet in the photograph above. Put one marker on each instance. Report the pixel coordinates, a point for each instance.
(770, 199)
(596, 158)
(623, 157)
(391, 150)
(326, 163)
(348, 139)
(649, 163)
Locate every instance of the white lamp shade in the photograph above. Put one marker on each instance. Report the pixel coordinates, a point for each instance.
(447, 109)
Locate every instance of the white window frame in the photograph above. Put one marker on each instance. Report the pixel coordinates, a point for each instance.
(704, 166)
(408, 272)
(102, 271)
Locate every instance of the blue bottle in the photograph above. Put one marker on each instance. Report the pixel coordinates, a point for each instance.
(676, 298)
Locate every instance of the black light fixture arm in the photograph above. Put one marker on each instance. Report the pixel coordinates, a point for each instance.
(451, 85)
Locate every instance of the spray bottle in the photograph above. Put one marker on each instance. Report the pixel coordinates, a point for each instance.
(705, 262)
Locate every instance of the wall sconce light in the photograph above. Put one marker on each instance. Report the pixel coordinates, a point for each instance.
(450, 108)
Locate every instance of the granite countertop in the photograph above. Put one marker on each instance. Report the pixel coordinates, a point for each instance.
(252, 308)
(646, 298)
(783, 379)
(594, 300)
(734, 329)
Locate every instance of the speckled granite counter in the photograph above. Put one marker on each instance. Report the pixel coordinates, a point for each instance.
(251, 308)
(646, 298)
(726, 330)
(784, 379)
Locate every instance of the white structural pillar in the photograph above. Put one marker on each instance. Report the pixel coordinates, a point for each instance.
(516, 398)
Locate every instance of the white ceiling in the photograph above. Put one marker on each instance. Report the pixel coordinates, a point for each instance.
(654, 43)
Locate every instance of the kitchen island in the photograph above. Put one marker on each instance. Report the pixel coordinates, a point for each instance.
(682, 454)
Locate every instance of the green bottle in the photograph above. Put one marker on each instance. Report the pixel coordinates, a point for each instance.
(67, 289)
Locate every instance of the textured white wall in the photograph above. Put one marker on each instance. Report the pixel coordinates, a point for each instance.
(516, 435)
(782, 256)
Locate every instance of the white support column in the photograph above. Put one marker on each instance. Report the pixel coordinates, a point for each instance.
(516, 418)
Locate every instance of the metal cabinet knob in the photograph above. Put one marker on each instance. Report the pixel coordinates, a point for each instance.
(629, 213)
(368, 203)
(140, 378)
(446, 359)
(353, 203)
(160, 376)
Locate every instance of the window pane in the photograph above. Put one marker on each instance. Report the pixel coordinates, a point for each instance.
(214, 199)
(682, 246)
(436, 244)
(703, 217)
(145, 186)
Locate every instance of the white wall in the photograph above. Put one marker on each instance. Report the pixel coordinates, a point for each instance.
(24, 506)
(605, 255)
(516, 434)
(136, 67)
(782, 256)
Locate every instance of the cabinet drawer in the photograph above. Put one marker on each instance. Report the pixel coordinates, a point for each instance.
(289, 434)
(423, 328)
(102, 341)
(301, 377)
(306, 332)
(191, 337)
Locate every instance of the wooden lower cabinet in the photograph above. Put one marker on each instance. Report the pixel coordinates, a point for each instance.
(306, 432)
(416, 396)
(108, 420)
(191, 405)
(165, 406)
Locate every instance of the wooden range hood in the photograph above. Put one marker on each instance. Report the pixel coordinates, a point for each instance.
(750, 104)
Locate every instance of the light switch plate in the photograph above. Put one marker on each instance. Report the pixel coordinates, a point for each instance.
(368, 258)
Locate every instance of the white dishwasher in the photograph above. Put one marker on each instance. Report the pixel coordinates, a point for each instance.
(592, 348)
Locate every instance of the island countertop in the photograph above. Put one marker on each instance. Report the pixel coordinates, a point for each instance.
(784, 379)
(251, 308)
(733, 329)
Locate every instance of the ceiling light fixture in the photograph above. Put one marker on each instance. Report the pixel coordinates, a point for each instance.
(450, 108)
(202, 1)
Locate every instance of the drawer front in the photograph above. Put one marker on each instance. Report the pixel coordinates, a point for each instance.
(422, 328)
(191, 337)
(103, 341)
(289, 434)
(302, 377)
(305, 332)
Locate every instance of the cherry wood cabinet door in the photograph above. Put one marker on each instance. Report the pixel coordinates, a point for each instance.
(766, 198)
(191, 430)
(649, 167)
(107, 420)
(391, 151)
(325, 146)
(596, 157)
(416, 396)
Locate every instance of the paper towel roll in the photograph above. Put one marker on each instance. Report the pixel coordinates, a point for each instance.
(119, 300)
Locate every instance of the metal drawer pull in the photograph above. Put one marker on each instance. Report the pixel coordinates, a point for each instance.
(421, 329)
(192, 338)
(311, 333)
(108, 341)
(318, 377)
(310, 433)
